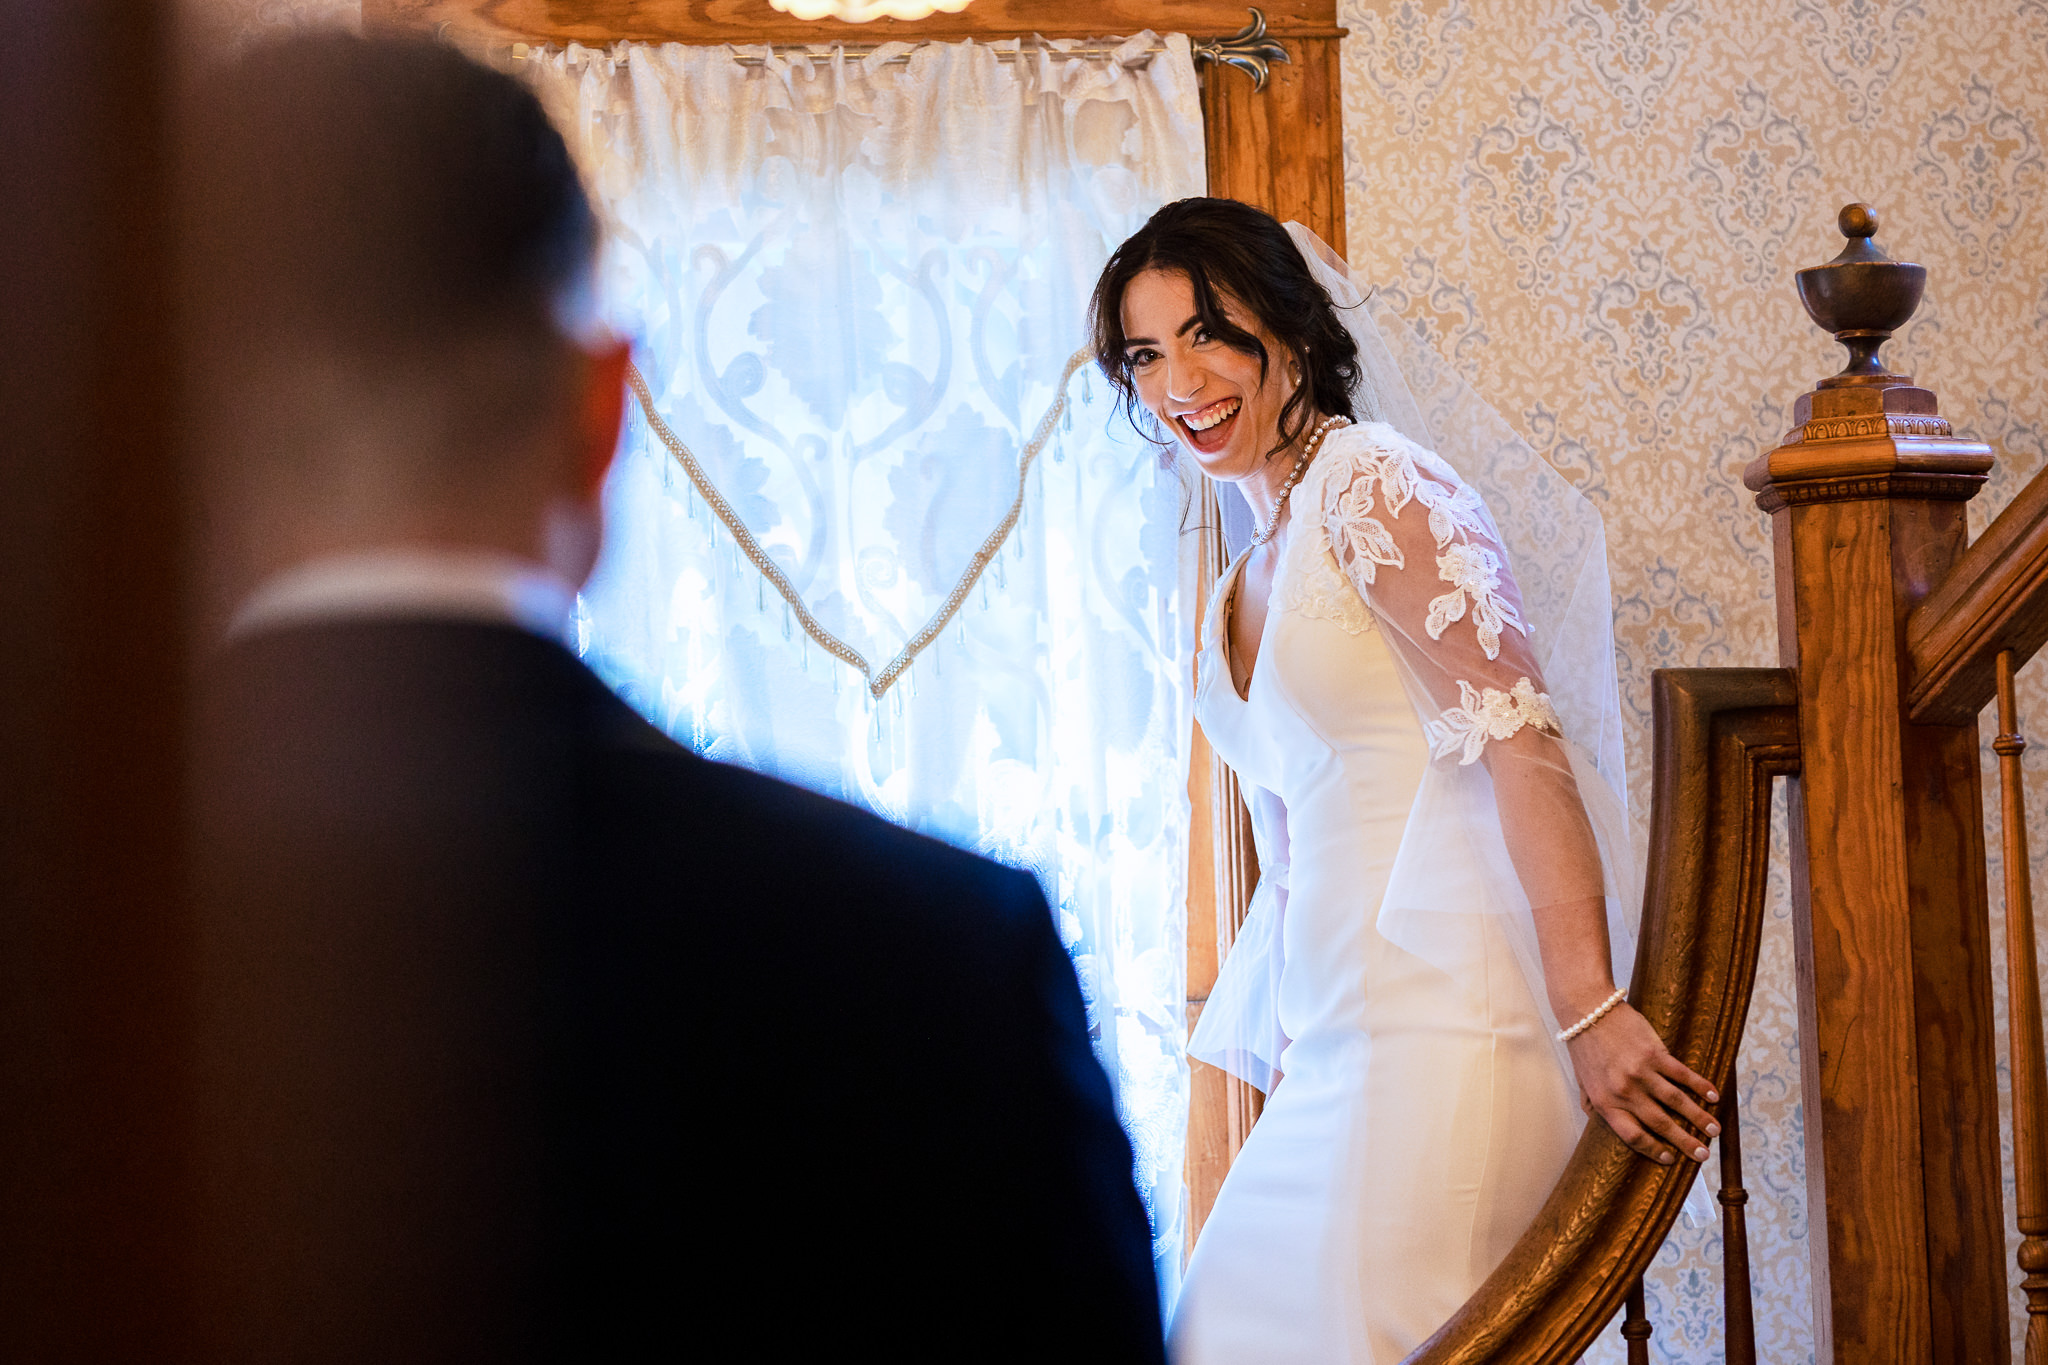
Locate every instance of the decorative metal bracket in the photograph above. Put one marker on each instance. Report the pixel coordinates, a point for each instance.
(1248, 49)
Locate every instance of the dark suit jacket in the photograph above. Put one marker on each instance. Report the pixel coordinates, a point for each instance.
(527, 1034)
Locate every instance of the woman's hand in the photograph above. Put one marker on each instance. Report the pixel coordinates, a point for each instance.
(1646, 1095)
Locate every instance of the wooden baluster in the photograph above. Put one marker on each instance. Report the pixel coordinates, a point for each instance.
(2023, 985)
(1737, 1312)
(1635, 1326)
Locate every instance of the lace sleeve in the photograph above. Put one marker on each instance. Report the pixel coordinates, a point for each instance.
(1418, 545)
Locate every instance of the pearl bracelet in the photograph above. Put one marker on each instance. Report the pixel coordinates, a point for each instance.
(1566, 1035)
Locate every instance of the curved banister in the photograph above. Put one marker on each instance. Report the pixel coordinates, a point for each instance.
(1721, 734)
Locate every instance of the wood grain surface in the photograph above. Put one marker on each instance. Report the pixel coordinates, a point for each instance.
(755, 21)
(97, 975)
(1862, 1062)
(1281, 148)
(1890, 916)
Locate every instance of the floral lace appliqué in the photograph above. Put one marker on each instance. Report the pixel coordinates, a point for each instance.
(1384, 472)
(1491, 714)
(1475, 570)
(1313, 586)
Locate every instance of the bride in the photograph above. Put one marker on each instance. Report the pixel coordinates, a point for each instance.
(1431, 753)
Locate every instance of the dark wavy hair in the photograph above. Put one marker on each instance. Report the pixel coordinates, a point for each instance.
(1232, 250)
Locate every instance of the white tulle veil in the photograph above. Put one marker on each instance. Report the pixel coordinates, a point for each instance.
(1556, 542)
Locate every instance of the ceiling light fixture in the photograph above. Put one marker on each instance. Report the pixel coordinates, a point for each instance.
(861, 11)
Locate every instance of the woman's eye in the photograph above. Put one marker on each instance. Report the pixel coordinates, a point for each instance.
(1202, 335)
(1139, 359)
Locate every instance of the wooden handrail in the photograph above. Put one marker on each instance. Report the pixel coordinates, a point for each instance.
(1722, 734)
(1994, 599)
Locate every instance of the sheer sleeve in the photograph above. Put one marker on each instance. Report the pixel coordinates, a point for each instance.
(1420, 548)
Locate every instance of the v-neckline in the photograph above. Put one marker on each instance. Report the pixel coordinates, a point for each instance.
(1233, 582)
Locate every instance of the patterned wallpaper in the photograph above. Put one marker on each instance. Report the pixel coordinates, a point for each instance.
(1594, 207)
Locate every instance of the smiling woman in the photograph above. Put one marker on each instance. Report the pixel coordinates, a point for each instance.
(1446, 862)
(1199, 332)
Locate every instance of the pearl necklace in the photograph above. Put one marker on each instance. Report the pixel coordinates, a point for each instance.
(1308, 453)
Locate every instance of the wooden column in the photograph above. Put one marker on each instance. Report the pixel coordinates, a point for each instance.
(95, 967)
(1867, 503)
(1281, 149)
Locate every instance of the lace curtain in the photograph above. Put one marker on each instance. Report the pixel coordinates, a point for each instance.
(856, 283)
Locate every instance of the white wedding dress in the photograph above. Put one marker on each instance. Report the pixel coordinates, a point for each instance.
(1411, 800)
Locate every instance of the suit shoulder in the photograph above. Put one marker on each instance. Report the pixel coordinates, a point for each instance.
(749, 827)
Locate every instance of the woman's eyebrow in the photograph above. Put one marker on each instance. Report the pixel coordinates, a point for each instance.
(1180, 331)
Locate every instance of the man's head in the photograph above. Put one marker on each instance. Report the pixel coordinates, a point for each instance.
(389, 278)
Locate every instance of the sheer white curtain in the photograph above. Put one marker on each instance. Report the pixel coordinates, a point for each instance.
(856, 283)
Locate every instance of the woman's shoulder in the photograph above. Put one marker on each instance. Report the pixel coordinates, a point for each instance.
(1380, 454)
(1367, 439)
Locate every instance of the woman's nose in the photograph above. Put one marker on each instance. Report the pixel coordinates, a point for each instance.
(1183, 382)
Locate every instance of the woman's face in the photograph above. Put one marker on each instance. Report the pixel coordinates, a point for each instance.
(1209, 395)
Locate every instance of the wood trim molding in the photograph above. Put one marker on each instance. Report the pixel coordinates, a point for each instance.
(1282, 148)
(755, 21)
(1223, 874)
(1722, 735)
(1994, 599)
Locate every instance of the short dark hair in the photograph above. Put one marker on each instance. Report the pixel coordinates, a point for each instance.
(379, 196)
(1226, 248)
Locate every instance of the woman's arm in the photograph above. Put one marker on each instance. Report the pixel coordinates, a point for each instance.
(1418, 548)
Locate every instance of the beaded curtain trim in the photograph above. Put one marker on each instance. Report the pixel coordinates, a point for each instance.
(877, 683)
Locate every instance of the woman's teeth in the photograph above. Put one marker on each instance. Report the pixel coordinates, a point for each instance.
(1211, 415)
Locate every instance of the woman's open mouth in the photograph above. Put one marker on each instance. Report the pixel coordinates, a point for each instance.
(1208, 429)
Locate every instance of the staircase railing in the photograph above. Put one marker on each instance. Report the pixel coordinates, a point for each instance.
(1897, 637)
(1965, 643)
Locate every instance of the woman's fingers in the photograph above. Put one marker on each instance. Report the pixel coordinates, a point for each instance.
(1687, 1077)
(1680, 1103)
(1629, 1131)
(1660, 1121)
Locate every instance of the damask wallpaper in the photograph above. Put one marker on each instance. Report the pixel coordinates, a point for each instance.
(1594, 207)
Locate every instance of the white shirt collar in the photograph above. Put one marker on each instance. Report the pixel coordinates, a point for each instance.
(433, 584)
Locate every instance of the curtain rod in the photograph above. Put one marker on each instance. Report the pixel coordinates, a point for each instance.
(863, 51)
(1250, 50)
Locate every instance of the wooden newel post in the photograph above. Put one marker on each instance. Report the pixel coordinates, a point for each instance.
(1867, 498)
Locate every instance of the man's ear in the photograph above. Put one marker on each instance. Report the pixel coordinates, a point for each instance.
(600, 413)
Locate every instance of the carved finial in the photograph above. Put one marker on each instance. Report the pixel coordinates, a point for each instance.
(1862, 296)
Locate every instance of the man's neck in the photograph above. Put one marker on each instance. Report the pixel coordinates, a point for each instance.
(419, 582)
